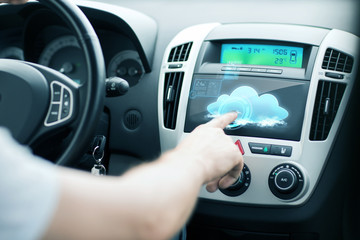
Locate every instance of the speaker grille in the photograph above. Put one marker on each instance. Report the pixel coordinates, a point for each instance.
(132, 119)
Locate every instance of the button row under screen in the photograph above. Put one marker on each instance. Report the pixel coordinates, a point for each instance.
(251, 69)
(270, 149)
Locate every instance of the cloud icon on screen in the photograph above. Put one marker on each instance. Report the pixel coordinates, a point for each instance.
(252, 109)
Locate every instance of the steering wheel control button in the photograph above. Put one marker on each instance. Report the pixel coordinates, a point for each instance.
(61, 104)
(65, 104)
(56, 93)
(54, 113)
(239, 145)
(286, 181)
(281, 150)
(65, 110)
(260, 148)
(66, 95)
(241, 184)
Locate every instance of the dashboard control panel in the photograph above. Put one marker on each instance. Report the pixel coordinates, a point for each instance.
(289, 84)
(279, 150)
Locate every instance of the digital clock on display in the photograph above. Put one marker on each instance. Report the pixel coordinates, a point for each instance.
(258, 54)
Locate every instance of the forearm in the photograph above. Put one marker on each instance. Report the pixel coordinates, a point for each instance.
(151, 201)
(169, 188)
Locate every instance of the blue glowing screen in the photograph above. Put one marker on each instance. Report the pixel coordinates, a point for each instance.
(257, 54)
(252, 109)
(266, 107)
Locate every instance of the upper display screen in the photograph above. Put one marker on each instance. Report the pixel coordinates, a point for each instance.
(257, 54)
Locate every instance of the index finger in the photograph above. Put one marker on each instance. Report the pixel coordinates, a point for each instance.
(223, 120)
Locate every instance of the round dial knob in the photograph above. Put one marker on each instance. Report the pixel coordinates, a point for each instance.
(286, 181)
(241, 184)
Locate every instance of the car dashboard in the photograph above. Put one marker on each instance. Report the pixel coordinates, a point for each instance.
(290, 70)
(294, 78)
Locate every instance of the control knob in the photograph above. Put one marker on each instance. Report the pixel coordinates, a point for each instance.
(286, 181)
(241, 184)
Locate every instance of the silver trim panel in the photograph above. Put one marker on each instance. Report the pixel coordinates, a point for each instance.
(309, 156)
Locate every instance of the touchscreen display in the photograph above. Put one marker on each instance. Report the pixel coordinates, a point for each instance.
(257, 54)
(266, 107)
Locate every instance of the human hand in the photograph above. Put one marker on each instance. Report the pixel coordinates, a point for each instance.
(216, 152)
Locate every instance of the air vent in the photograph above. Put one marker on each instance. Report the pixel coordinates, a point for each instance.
(337, 61)
(172, 90)
(328, 98)
(180, 53)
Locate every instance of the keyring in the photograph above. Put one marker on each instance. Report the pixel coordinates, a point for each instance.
(98, 161)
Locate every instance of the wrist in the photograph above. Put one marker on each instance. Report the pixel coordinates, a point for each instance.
(192, 164)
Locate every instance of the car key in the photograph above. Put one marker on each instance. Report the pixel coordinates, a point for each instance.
(98, 154)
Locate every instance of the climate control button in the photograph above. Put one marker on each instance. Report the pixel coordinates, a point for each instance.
(286, 181)
(241, 184)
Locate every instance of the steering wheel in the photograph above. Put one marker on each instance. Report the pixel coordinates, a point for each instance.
(37, 102)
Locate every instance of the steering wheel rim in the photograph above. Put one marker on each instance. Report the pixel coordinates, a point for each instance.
(95, 84)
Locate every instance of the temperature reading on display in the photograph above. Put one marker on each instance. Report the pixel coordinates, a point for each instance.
(266, 55)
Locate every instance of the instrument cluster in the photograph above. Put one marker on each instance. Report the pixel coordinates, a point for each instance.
(54, 46)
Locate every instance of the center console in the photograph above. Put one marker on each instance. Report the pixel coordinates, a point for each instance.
(289, 85)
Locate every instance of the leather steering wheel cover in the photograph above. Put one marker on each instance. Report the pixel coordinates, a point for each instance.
(95, 84)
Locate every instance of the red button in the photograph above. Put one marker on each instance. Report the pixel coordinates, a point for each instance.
(238, 143)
